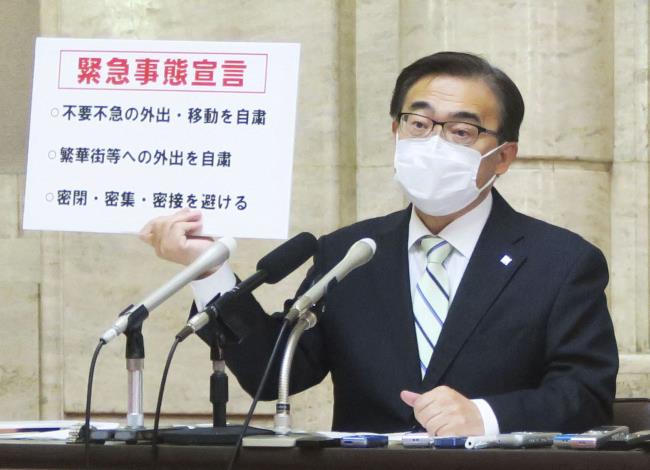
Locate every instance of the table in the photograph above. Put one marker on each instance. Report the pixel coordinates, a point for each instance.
(69, 456)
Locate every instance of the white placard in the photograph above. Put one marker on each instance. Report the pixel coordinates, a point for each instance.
(123, 131)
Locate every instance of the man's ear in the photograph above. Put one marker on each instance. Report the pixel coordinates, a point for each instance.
(394, 127)
(507, 155)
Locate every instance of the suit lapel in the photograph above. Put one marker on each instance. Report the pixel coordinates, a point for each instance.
(486, 275)
(391, 283)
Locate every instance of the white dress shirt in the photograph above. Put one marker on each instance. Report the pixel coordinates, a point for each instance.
(217, 283)
(462, 234)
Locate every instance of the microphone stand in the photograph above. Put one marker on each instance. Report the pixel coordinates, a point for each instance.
(218, 385)
(282, 418)
(305, 321)
(283, 437)
(135, 367)
(133, 431)
(220, 433)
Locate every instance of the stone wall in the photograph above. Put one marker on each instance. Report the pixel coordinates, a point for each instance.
(582, 66)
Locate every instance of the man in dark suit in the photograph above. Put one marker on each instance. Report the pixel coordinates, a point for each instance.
(471, 318)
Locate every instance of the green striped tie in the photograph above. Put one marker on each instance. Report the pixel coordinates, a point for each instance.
(431, 298)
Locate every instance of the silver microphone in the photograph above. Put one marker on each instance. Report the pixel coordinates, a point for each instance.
(359, 254)
(217, 254)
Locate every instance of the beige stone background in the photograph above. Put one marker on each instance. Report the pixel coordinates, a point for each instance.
(582, 66)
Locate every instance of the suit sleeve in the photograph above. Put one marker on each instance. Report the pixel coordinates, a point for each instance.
(251, 333)
(580, 359)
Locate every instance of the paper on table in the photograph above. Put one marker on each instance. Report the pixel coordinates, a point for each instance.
(45, 430)
(57, 435)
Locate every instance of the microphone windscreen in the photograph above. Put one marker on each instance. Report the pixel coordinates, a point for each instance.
(286, 258)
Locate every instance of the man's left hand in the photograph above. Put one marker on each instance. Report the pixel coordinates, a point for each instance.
(445, 412)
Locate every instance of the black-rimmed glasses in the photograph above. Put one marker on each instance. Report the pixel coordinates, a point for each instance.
(416, 126)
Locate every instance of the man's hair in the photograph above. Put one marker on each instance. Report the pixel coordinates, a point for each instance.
(459, 64)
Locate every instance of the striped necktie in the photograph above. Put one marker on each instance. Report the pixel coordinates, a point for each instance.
(431, 298)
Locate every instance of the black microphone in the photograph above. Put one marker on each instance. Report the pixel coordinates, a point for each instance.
(272, 268)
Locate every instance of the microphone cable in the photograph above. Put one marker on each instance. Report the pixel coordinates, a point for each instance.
(161, 391)
(85, 429)
(258, 393)
(249, 415)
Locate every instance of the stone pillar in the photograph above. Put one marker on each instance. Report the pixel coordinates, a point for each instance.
(630, 194)
(20, 270)
(378, 63)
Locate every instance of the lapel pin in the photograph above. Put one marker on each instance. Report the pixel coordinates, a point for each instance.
(506, 260)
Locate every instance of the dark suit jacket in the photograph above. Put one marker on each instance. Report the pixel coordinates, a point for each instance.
(534, 338)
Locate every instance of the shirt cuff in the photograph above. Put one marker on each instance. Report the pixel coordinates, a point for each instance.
(222, 280)
(490, 423)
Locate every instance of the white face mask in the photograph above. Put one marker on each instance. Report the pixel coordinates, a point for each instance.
(439, 177)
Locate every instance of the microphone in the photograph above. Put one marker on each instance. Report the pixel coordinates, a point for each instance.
(359, 254)
(217, 254)
(272, 268)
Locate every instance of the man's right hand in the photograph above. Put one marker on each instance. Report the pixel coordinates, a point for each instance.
(173, 236)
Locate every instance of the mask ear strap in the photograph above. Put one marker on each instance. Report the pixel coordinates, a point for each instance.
(488, 183)
(495, 176)
(493, 150)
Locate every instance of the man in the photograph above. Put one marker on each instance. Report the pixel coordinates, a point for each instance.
(471, 318)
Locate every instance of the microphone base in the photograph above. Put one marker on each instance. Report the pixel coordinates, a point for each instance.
(126, 434)
(223, 435)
